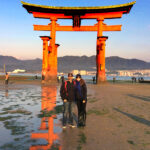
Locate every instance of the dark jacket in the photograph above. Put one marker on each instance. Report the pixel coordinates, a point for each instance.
(67, 91)
(83, 94)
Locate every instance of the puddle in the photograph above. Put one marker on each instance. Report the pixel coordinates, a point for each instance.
(20, 123)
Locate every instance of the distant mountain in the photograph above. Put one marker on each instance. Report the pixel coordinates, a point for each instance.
(12, 63)
(117, 63)
(68, 63)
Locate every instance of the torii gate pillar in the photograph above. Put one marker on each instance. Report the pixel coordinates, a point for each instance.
(100, 59)
(55, 57)
(49, 64)
(45, 40)
(52, 63)
(52, 54)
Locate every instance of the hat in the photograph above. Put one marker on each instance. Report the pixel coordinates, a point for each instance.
(70, 74)
(78, 76)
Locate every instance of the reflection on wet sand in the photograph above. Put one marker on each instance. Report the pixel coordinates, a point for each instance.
(48, 103)
(6, 92)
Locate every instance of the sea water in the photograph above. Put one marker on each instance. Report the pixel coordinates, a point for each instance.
(28, 119)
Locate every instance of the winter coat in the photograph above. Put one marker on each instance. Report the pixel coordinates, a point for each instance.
(67, 91)
(81, 95)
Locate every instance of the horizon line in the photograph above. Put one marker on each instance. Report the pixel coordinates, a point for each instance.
(23, 59)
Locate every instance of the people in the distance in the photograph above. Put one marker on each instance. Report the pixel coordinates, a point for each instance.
(6, 78)
(94, 79)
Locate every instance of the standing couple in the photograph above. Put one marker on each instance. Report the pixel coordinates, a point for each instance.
(74, 91)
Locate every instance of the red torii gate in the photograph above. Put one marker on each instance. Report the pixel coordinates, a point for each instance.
(49, 65)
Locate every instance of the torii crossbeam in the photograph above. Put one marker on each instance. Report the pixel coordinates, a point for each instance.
(77, 14)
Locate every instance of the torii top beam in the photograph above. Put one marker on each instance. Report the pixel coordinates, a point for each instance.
(114, 11)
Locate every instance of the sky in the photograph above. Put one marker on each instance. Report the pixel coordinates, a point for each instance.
(18, 39)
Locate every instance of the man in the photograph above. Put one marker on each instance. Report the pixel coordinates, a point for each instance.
(6, 78)
(68, 96)
(93, 80)
(43, 75)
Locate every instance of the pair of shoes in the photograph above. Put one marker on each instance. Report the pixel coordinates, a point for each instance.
(64, 127)
(81, 125)
(72, 125)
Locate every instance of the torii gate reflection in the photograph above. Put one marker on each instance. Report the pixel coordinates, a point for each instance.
(48, 102)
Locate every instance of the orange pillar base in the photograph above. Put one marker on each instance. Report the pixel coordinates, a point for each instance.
(101, 77)
(50, 77)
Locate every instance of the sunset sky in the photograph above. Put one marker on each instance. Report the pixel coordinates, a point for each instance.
(18, 39)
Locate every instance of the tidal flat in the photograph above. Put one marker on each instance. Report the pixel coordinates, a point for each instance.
(118, 117)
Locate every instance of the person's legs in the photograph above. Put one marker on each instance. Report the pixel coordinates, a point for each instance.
(84, 114)
(70, 107)
(79, 104)
(6, 82)
(65, 112)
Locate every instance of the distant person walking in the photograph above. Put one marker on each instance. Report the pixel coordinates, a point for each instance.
(36, 77)
(94, 79)
(43, 75)
(114, 79)
(133, 79)
(81, 99)
(6, 78)
(58, 78)
(62, 79)
(67, 92)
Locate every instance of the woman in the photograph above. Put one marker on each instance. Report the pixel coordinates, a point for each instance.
(81, 99)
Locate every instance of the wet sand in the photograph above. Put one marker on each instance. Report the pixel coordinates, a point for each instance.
(118, 118)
